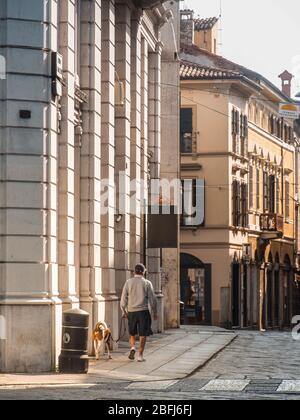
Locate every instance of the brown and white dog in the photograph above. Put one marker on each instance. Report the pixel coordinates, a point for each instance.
(102, 339)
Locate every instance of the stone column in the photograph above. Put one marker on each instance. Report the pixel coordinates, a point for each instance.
(170, 157)
(108, 293)
(262, 297)
(90, 273)
(136, 86)
(28, 187)
(154, 255)
(145, 175)
(122, 138)
(66, 207)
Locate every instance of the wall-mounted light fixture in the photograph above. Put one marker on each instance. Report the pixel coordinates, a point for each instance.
(118, 218)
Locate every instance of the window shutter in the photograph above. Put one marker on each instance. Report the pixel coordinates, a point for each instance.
(251, 186)
(266, 191)
(246, 127)
(237, 122)
(258, 189)
(287, 200)
(278, 209)
(234, 203)
(272, 193)
(233, 122)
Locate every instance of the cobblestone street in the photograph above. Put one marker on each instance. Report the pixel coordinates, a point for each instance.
(255, 366)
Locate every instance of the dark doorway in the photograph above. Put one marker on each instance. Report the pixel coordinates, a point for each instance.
(277, 292)
(270, 300)
(236, 294)
(245, 296)
(287, 292)
(195, 291)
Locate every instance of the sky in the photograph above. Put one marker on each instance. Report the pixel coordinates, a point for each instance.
(263, 35)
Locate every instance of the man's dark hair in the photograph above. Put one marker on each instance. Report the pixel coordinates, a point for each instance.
(140, 269)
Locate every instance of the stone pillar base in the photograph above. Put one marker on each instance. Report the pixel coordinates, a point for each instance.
(32, 341)
(158, 326)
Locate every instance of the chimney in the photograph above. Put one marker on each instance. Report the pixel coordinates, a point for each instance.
(286, 79)
(187, 27)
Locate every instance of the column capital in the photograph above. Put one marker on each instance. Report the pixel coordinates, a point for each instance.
(159, 47)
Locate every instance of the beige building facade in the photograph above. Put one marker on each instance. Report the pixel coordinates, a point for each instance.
(80, 112)
(238, 168)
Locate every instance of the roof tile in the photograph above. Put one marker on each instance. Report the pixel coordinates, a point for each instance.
(204, 24)
(189, 71)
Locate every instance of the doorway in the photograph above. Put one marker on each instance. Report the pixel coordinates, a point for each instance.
(236, 271)
(195, 291)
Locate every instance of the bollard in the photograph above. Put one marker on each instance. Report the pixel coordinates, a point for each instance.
(74, 354)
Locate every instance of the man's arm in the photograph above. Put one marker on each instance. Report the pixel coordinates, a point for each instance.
(124, 300)
(152, 299)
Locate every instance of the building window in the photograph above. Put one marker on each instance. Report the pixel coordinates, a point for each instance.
(186, 130)
(272, 192)
(279, 130)
(287, 200)
(235, 120)
(244, 205)
(278, 198)
(193, 202)
(258, 189)
(272, 125)
(251, 185)
(266, 191)
(239, 204)
(244, 135)
(236, 203)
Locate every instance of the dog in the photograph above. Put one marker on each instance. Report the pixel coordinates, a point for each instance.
(102, 339)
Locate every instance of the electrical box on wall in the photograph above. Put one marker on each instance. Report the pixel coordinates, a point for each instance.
(57, 66)
(57, 73)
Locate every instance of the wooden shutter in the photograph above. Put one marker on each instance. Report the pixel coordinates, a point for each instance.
(272, 193)
(278, 200)
(258, 189)
(266, 191)
(251, 203)
(234, 204)
(287, 200)
(244, 206)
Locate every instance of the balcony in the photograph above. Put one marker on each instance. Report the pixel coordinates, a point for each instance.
(272, 226)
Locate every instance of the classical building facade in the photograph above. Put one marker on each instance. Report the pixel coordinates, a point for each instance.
(239, 172)
(80, 104)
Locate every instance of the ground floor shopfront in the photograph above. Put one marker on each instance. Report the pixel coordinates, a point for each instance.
(264, 289)
(248, 286)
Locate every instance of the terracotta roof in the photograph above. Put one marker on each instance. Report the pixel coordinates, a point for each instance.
(189, 71)
(201, 58)
(216, 61)
(203, 24)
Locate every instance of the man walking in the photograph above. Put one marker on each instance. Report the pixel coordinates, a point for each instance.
(137, 296)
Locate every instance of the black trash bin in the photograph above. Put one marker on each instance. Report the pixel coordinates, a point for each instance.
(74, 354)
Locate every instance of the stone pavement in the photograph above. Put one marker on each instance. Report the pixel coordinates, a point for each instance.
(171, 356)
(255, 366)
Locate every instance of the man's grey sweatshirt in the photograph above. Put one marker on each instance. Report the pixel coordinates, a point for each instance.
(138, 295)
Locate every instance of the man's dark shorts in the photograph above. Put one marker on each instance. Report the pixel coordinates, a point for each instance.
(139, 323)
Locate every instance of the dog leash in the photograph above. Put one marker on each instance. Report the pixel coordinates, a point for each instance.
(123, 321)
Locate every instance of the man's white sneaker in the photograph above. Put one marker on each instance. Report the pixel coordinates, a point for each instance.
(141, 358)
